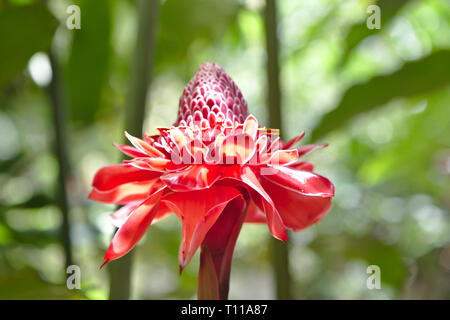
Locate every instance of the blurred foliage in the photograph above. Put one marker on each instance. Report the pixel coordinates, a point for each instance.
(187, 25)
(19, 41)
(359, 31)
(380, 98)
(27, 284)
(90, 50)
(429, 73)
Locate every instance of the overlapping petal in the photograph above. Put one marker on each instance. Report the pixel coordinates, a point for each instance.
(254, 215)
(122, 183)
(297, 210)
(198, 211)
(109, 177)
(303, 182)
(134, 227)
(130, 151)
(194, 177)
(309, 147)
(238, 149)
(302, 165)
(121, 215)
(264, 203)
(293, 141)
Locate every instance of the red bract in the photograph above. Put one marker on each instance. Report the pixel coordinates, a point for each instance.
(214, 168)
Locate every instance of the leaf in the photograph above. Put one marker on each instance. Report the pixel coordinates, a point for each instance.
(38, 200)
(424, 138)
(88, 64)
(387, 257)
(359, 31)
(27, 284)
(183, 22)
(24, 30)
(414, 78)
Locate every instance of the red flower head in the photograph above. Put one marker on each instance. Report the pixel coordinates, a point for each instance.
(214, 168)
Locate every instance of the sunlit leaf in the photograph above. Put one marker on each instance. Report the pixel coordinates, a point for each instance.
(359, 31)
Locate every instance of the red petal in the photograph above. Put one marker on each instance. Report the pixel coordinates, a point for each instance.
(163, 212)
(308, 148)
(143, 146)
(293, 141)
(265, 204)
(130, 151)
(109, 177)
(298, 211)
(260, 149)
(198, 210)
(303, 182)
(254, 215)
(195, 177)
(238, 149)
(134, 227)
(124, 193)
(196, 149)
(177, 137)
(121, 215)
(275, 145)
(159, 164)
(283, 157)
(251, 126)
(302, 165)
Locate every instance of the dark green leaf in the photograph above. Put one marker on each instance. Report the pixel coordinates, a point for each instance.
(184, 22)
(386, 257)
(88, 63)
(24, 30)
(414, 78)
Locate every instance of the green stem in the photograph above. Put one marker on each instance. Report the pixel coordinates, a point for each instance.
(280, 253)
(120, 270)
(57, 104)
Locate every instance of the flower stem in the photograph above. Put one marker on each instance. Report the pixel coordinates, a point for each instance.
(280, 253)
(120, 271)
(217, 252)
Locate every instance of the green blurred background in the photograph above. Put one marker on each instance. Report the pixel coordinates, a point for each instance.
(380, 98)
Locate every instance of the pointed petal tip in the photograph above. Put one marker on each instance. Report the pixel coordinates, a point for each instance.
(91, 195)
(284, 237)
(103, 264)
(180, 270)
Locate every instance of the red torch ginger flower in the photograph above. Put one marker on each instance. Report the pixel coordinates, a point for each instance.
(215, 168)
